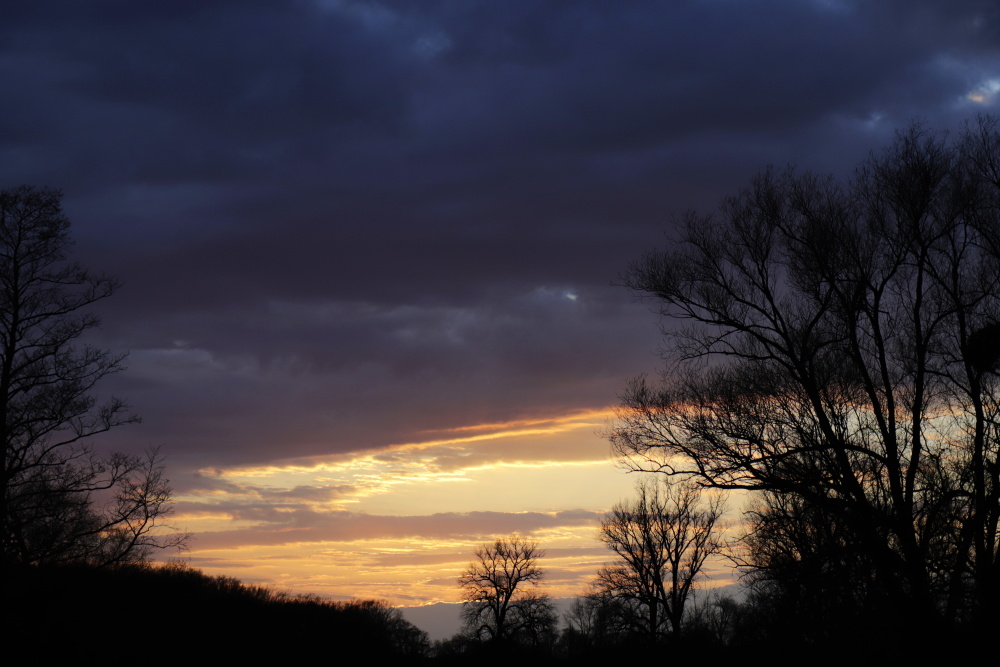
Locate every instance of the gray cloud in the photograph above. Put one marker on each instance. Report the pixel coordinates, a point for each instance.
(343, 222)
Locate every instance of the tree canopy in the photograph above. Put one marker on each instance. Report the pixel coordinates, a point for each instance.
(834, 344)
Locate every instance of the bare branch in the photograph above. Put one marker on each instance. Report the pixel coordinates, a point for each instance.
(840, 349)
(53, 482)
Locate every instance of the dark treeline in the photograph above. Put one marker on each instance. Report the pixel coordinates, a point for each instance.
(175, 614)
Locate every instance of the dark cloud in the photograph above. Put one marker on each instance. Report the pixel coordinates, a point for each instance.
(341, 222)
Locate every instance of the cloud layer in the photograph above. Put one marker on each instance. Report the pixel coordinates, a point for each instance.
(349, 225)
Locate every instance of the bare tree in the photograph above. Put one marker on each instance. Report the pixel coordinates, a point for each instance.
(805, 568)
(717, 619)
(62, 502)
(836, 344)
(598, 619)
(662, 539)
(502, 599)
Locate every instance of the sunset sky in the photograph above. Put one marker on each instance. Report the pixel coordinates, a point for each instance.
(369, 247)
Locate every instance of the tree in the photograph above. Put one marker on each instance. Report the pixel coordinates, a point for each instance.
(61, 501)
(718, 620)
(662, 539)
(598, 620)
(388, 631)
(806, 572)
(502, 599)
(836, 347)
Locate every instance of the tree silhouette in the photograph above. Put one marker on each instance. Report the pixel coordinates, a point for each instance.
(599, 620)
(502, 599)
(662, 539)
(50, 476)
(831, 354)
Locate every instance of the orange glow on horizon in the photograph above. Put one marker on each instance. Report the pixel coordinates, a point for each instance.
(400, 522)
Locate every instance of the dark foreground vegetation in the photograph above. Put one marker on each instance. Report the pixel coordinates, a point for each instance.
(176, 614)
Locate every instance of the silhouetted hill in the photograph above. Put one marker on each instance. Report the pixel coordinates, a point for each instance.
(176, 613)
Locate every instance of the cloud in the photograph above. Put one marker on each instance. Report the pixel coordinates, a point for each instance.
(350, 226)
(304, 526)
(315, 378)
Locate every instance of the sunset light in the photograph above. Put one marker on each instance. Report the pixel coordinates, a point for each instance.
(290, 523)
(463, 332)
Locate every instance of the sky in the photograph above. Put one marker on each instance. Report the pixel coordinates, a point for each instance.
(370, 248)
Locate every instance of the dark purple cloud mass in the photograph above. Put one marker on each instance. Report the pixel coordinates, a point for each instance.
(344, 222)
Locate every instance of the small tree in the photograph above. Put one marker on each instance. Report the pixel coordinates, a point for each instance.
(61, 501)
(806, 573)
(502, 599)
(598, 621)
(662, 539)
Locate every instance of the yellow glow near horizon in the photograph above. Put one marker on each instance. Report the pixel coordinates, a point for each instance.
(349, 479)
(400, 523)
